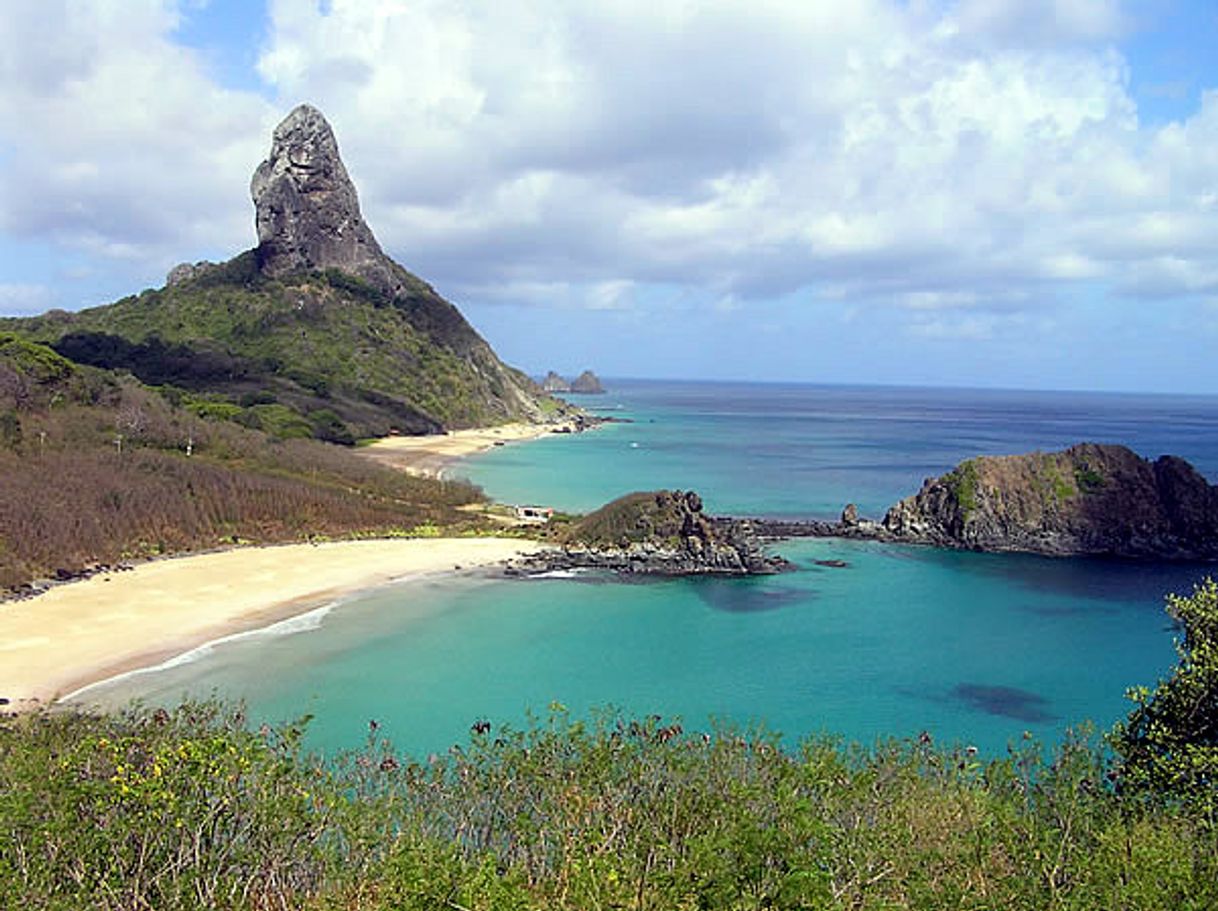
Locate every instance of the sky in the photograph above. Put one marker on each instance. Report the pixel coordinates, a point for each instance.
(987, 193)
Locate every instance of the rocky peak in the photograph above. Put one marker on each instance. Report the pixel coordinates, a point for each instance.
(307, 210)
(555, 383)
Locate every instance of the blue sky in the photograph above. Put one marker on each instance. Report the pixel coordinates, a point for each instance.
(1018, 193)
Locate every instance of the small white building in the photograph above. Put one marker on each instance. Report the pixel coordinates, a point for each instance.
(538, 514)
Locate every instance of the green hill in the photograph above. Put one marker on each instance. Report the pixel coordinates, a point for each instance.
(316, 331)
(325, 345)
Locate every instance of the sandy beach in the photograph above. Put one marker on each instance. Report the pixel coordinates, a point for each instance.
(431, 455)
(83, 632)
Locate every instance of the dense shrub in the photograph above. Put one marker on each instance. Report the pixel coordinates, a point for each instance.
(1169, 745)
(95, 469)
(188, 809)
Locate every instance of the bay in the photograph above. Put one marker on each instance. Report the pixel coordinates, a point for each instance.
(973, 648)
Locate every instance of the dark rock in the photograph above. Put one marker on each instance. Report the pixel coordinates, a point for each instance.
(850, 515)
(184, 272)
(308, 215)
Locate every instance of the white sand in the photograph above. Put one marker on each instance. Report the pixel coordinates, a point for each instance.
(430, 455)
(83, 632)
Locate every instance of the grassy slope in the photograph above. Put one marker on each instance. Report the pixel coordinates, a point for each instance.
(323, 341)
(70, 497)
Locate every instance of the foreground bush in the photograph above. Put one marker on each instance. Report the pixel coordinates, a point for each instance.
(188, 809)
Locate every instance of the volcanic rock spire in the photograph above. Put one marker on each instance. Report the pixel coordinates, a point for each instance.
(307, 210)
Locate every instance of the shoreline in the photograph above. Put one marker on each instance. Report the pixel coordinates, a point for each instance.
(431, 455)
(79, 634)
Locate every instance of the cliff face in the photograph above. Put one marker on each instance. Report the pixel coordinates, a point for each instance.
(1089, 499)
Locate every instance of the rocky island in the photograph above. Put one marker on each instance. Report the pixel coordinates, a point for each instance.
(1090, 499)
(587, 383)
(662, 532)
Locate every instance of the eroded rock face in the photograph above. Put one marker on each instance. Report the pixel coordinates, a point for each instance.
(588, 383)
(1089, 499)
(307, 210)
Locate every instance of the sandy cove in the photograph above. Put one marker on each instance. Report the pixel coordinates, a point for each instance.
(87, 631)
(430, 455)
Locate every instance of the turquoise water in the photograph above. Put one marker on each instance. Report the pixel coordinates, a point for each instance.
(974, 648)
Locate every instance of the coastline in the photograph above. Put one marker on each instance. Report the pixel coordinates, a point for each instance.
(79, 634)
(429, 456)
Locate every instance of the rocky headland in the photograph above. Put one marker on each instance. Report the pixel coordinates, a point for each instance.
(663, 533)
(1089, 500)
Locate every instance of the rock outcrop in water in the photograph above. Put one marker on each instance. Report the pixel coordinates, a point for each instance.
(587, 383)
(1090, 499)
(662, 532)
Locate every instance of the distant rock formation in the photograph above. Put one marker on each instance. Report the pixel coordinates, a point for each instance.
(587, 383)
(1089, 499)
(307, 210)
(662, 532)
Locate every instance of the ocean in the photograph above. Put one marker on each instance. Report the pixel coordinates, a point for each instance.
(975, 649)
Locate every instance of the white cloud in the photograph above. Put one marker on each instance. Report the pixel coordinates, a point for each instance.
(942, 157)
(25, 298)
(752, 150)
(120, 143)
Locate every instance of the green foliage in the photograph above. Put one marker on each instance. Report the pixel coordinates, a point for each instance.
(1061, 488)
(962, 482)
(187, 808)
(280, 422)
(313, 341)
(329, 426)
(38, 362)
(658, 516)
(1169, 743)
(1088, 479)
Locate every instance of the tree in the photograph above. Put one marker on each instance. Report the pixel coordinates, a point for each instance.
(1169, 743)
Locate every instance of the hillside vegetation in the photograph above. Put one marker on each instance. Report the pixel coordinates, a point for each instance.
(96, 468)
(187, 809)
(340, 358)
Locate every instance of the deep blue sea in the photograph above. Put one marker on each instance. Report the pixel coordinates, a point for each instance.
(974, 648)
